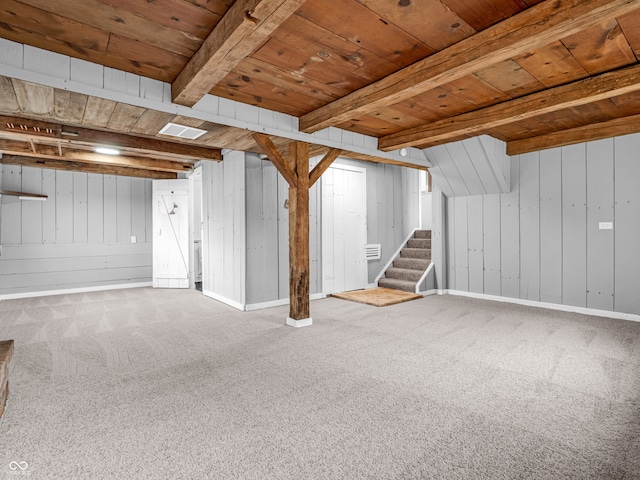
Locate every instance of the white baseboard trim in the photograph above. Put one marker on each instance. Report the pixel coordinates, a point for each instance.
(371, 285)
(552, 306)
(278, 303)
(67, 291)
(305, 322)
(225, 300)
(427, 293)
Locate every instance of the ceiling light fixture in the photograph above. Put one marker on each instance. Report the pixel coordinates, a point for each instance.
(107, 151)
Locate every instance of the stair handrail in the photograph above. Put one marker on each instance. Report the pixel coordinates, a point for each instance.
(393, 257)
(424, 276)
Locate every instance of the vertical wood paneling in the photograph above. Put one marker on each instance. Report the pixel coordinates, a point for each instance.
(80, 208)
(551, 226)
(11, 227)
(475, 239)
(315, 243)
(460, 244)
(450, 242)
(138, 209)
(438, 240)
(530, 226)
(270, 228)
(491, 243)
(62, 243)
(257, 245)
(123, 210)
(148, 202)
(600, 243)
(574, 225)
(64, 206)
(283, 238)
(110, 209)
(49, 206)
(31, 210)
(626, 223)
(95, 208)
(510, 234)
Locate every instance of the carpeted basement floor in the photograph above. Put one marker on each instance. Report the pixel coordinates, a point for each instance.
(165, 384)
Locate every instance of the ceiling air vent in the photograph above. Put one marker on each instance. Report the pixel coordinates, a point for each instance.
(181, 131)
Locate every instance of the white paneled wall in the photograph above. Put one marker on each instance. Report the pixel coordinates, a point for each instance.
(543, 242)
(80, 237)
(224, 233)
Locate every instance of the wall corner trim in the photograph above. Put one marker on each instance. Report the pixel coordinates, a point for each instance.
(225, 300)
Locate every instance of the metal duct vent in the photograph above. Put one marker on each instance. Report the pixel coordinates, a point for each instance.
(181, 131)
(372, 251)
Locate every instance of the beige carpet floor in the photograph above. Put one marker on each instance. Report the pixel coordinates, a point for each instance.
(149, 384)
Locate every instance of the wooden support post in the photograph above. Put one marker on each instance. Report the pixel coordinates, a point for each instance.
(299, 237)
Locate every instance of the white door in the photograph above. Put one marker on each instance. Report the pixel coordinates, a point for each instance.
(344, 229)
(171, 233)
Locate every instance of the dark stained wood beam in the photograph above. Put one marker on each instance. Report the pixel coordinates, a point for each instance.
(299, 308)
(17, 126)
(11, 193)
(244, 27)
(534, 27)
(387, 161)
(581, 92)
(16, 147)
(77, 166)
(271, 151)
(323, 165)
(571, 136)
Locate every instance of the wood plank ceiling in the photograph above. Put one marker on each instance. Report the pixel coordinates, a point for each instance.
(410, 72)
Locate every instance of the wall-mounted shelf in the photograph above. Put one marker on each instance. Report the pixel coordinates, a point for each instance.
(23, 195)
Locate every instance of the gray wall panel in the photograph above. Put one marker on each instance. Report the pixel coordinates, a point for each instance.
(461, 245)
(49, 207)
(475, 237)
(64, 206)
(123, 195)
(579, 264)
(11, 220)
(138, 209)
(110, 209)
(551, 226)
(491, 244)
(80, 212)
(627, 223)
(63, 247)
(600, 243)
(510, 234)
(95, 208)
(530, 226)
(574, 224)
(32, 211)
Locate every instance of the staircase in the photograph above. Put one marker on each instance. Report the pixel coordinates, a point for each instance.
(407, 268)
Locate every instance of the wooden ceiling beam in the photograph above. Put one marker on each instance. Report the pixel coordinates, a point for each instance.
(581, 92)
(245, 26)
(535, 27)
(77, 166)
(30, 149)
(572, 136)
(17, 126)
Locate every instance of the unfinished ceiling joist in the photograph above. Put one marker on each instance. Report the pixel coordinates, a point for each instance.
(78, 166)
(31, 149)
(581, 92)
(572, 136)
(16, 126)
(245, 26)
(535, 27)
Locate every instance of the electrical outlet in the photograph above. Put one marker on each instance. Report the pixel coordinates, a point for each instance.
(133, 239)
(605, 225)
